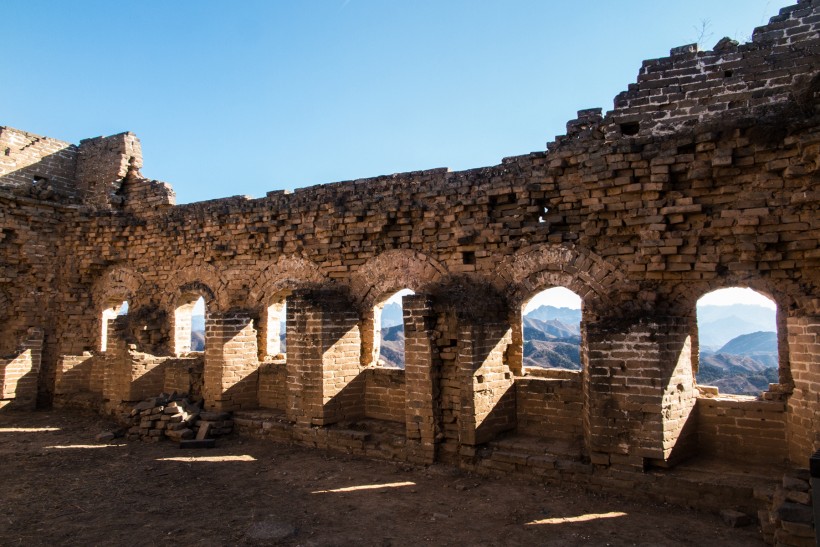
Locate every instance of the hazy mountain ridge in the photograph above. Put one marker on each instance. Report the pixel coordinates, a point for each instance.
(754, 342)
(552, 338)
(569, 317)
(391, 353)
(717, 325)
(392, 315)
(735, 374)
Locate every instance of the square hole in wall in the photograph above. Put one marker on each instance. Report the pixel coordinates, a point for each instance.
(468, 257)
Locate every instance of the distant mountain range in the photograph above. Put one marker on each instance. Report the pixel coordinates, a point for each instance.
(570, 317)
(745, 365)
(719, 324)
(551, 343)
(197, 333)
(391, 353)
(735, 374)
(392, 315)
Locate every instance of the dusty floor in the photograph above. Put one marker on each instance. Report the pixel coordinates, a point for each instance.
(59, 487)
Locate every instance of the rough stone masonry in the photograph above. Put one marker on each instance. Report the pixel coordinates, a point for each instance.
(703, 176)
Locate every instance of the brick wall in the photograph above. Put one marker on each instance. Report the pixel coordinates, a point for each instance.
(422, 373)
(384, 394)
(551, 407)
(41, 167)
(743, 431)
(641, 390)
(803, 410)
(19, 372)
(272, 383)
(102, 165)
(487, 392)
(323, 365)
(231, 361)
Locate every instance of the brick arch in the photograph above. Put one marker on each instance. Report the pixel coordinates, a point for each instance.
(117, 283)
(540, 267)
(380, 277)
(392, 271)
(683, 299)
(288, 273)
(204, 279)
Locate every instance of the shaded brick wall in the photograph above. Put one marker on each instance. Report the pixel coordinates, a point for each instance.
(551, 408)
(19, 371)
(385, 394)
(272, 382)
(742, 431)
(803, 411)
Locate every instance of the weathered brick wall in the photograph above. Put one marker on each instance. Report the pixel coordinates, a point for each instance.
(803, 412)
(487, 392)
(385, 394)
(742, 431)
(641, 391)
(102, 165)
(184, 375)
(323, 383)
(691, 86)
(422, 374)
(74, 372)
(41, 167)
(19, 371)
(272, 384)
(551, 407)
(231, 361)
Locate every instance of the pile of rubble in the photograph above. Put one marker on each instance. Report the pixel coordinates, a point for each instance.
(174, 417)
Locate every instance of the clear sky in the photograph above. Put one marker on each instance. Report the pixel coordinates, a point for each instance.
(246, 97)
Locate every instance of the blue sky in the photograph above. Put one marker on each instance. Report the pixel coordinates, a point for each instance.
(246, 97)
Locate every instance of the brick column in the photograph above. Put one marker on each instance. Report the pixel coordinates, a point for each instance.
(803, 415)
(129, 375)
(18, 374)
(487, 392)
(231, 361)
(422, 375)
(640, 392)
(324, 384)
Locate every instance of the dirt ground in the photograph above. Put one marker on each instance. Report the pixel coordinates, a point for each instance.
(60, 487)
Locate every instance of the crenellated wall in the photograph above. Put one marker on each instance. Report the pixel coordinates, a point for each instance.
(703, 176)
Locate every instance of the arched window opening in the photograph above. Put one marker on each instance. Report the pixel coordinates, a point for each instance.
(277, 327)
(738, 341)
(189, 324)
(113, 309)
(388, 321)
(551, 329)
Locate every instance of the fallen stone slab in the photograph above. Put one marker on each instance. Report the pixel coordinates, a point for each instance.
(105, 436)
